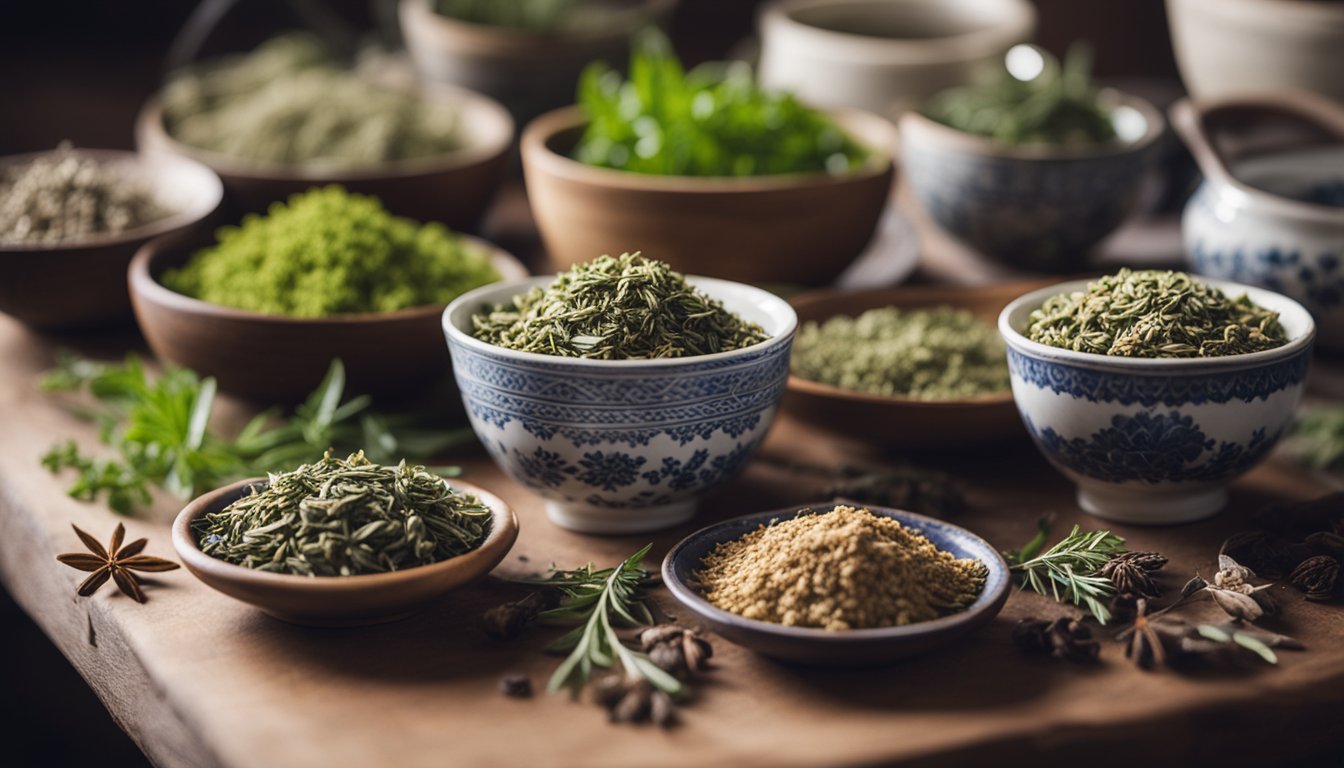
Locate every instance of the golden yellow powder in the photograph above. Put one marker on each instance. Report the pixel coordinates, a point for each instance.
(843, 569)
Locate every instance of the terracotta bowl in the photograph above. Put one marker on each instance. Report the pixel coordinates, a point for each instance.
(272, 358)
(340, 601)
(903, 422)
(83, 284)
(455, 188)
(777, 229)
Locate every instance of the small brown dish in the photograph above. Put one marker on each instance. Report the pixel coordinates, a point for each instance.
(796, 228)
(81, 284)
(904, 422)
(455, 188)
(340, 601)
(273, 358)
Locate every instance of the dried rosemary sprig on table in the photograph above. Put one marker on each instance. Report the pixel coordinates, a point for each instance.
(1071, 569)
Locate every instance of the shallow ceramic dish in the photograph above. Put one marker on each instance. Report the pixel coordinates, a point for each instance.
(340, 601)
(622, 446)
(1273, 219)
(1157, 441)
(455, 188)
(849, 648)
(83, 284)
(903, 422)
(1228, 47)
(766, 229)
(529, 72)
(885, 56)
(1033, 207)
(272, 358)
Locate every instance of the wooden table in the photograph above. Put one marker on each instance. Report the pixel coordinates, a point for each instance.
(198, 679)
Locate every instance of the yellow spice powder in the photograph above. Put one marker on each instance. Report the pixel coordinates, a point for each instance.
(843, 569)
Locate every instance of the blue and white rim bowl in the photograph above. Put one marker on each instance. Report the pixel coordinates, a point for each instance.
(1156, 441)
(622, 446)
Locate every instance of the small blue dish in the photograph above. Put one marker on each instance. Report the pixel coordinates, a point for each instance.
(847, 648)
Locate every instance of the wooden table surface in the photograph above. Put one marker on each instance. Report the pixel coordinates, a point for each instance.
(199, 679)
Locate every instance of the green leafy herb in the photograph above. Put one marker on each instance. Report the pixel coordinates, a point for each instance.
(1318, 439)
(711, 121)
(1069, 571)
(1032, 547)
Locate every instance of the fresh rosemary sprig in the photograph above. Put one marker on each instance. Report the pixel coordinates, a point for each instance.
(1069, 570)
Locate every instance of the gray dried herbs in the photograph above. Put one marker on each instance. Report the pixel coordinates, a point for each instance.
(617, 308)
(346, 517)
(64, 196)
(1157, 314)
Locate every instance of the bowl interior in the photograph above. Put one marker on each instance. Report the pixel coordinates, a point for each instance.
(1313, 175)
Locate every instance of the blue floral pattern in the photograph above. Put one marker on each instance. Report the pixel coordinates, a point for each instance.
(1315, 279)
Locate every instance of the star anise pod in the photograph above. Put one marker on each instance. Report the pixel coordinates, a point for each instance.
(1317, 576)
(115, 562)
(1148, 642)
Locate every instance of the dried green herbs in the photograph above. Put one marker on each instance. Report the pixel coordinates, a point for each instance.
(329, 252)
(842, 569)
(1154, 313)
(942, 353)
(346, 517)
(623, 308)
(64, 197)
(711, 121)
(288, 103)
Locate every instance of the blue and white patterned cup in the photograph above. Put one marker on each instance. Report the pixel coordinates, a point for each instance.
(622, 446)
(1156, 441)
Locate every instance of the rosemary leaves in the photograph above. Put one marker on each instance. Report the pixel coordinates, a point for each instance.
(623, 308)
(1154, 313)
(345, 517)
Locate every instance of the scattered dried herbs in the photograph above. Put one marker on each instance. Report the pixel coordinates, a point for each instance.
(623, 308)
(1154, 313)
(116, 562)
(1160, 640)
(346, 517)
(1071, 570)
(942, 353)
(1063, 638)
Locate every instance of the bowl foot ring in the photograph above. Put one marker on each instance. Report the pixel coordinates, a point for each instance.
(1146, 507)
(587, 518)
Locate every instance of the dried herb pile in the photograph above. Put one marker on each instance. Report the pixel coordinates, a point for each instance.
(346, 517)
(63, 196)
(1157, 314)
(942, 353)
(288, 103)
(330, 252)
(843, 569)
(624, 308)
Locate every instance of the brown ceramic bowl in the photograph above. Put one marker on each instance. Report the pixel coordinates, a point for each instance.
(903, 422)
(455, 188)
(776, 229)
(273, 358)
(82, 284)
(340, 601)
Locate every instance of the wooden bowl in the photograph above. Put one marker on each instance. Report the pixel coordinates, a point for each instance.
(81, 284)
(340, 601)
(455, 188)
(777, 229)
(849, 648)
(903, 422)
(274, 358)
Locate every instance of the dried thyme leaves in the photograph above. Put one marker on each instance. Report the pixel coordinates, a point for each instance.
(1154, 313)
(844, 569)
(623, 308)
(346, 517)
(928, 354)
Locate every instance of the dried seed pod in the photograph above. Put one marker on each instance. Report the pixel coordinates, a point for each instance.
(634, 705)
(1123, 606)
(1192, 586)
(1326, 543)
(1128, 576)
(1238, 605)
(1032, 636)
(608, 690)
(662, 711)
(661, 633)
(516, 686)
(1071, 639)
(697, 651)
(669, 658)
(1148, 561)
(1317, 576)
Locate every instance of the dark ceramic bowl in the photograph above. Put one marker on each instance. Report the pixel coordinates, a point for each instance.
(849, 648)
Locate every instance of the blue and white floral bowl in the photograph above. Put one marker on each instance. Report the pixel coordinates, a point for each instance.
(622, 446)
(1156, 441)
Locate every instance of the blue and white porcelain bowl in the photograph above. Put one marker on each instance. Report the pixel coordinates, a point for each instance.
(622, 446)
(1156, 441)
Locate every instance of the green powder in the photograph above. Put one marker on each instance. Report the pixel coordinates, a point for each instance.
(329, 252)
(928, 354)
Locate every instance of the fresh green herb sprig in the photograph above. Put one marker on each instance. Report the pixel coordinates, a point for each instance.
(160, 430)
(711, 121)
(1318, 439)
(1069, 571)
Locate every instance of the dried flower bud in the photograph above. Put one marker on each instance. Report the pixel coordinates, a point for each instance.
(507, 621)
(1032, 636)
(659, 634)
(516, 686)
(662, 712)
(1192, 586)
(669, 658)
(1063, 638)
(608, 690)
(634, 705)
(1238, 605)
(697, 651)
(1148, 561)
(1231, 574)
(1130, 577)
(1317, 576)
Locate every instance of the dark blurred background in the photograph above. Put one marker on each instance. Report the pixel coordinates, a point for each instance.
(80, 69)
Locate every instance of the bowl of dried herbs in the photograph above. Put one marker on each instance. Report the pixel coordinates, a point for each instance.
(1153, 390)
(343, 541)
(620, 390)
(836, 585)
